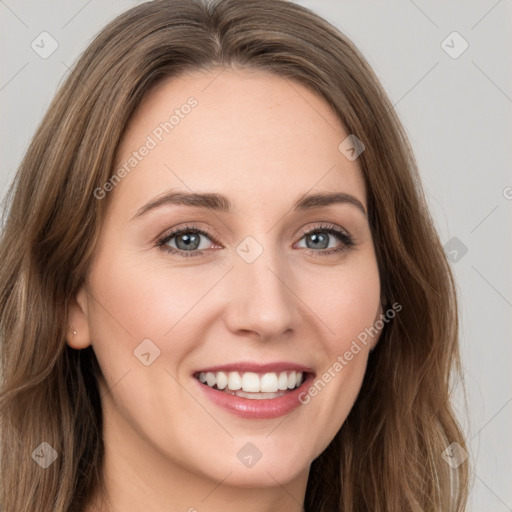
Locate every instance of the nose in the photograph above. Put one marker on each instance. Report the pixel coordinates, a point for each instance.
(261, 297)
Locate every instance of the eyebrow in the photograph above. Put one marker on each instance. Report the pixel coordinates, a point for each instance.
(221, 203)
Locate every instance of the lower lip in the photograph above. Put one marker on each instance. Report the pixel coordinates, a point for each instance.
(257, 409)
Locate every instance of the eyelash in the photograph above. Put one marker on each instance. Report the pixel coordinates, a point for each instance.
(345, 238)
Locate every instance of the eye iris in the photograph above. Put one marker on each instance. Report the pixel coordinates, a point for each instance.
(318, 241)
(187, 241)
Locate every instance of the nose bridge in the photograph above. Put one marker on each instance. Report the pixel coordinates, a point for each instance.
(263, 301)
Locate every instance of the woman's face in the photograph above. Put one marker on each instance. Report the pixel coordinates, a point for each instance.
(256, 286)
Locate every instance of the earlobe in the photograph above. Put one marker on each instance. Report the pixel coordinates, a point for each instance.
(78, 333)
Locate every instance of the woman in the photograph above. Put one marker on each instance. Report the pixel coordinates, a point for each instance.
(221, 288)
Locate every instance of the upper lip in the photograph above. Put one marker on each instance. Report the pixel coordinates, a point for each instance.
(256, 367)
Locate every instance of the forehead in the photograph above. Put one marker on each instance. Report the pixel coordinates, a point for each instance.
(254, 135)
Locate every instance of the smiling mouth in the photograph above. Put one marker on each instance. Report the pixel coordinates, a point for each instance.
(252, 385)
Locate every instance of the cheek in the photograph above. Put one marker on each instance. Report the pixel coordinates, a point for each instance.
(145, 301)
(134, 301)
(347, 301)
(348, 305)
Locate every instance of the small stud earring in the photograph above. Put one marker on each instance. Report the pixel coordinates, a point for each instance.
(74, 332)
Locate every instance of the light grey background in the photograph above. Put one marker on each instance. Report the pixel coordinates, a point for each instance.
(457, 113)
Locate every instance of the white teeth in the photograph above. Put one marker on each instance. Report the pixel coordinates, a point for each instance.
(269, 383)
(282, 383)
(222, 380)
(257, 396)
(210, 379)
(234, 381)
(251, 382)
(292, 380)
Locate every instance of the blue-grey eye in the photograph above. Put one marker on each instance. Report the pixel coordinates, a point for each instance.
(322, 239)
(187, 241)
(318, 240)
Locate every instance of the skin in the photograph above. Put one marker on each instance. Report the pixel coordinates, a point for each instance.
(263, 142)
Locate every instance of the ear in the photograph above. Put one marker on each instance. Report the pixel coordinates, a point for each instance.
(78, 335)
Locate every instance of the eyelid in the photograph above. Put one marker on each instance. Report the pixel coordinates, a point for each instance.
(324, 226)
(347, 241)
(171, 233)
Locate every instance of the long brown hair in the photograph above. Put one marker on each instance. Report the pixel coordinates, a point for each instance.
(387, 456)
